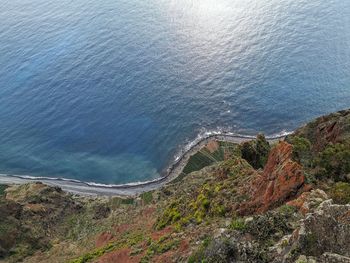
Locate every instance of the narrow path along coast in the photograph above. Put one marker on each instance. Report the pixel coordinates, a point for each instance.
(86, 188)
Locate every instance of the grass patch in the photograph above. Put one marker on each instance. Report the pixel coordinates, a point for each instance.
(287, 209)
(205, 158)
(147, 197)
(99, 252)
(197, 162)
(238, 224)
(164, 244)
(129, 241)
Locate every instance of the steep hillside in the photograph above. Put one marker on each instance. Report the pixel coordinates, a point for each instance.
(253, 202)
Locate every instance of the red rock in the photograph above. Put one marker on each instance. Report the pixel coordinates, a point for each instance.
(281, 180)
(308, 200)
(326, 133)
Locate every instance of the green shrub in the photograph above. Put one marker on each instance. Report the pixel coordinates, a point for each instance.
(170, 215)
(98, 252)
(2, 189)
(238, 224)
(309, 244)
(198, 255)
(271, 225)
(256, 151)
(334, 162)
(128, 241)
(340, 193)
(301, 149)
(164, 244)
(219, 210)
(287, 209)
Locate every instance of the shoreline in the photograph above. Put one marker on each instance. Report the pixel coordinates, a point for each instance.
(132, 189)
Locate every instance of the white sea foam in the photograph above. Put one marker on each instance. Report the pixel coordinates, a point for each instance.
(178, 160)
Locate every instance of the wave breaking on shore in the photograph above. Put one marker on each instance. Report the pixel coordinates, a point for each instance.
(174, 169)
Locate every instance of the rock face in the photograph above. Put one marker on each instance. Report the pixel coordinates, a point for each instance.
(308, 200)
(28, 217)
(326, 230)
(332, 128)
(235, 249)
(323, 236)
(281, 180)
(237, 203)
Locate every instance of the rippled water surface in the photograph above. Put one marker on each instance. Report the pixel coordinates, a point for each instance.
(110, 90)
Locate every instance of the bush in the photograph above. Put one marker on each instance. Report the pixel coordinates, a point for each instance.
(198, 256)
(255, 152)
(238, 224)
(170, 216)
(271, 225)
(2, 189)
(301, 149)
(334, 162)
(287, 210)
(340, 193)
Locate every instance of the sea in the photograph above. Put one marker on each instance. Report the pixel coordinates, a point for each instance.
(112, 91)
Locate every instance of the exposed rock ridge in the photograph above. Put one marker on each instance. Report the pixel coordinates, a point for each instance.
(281, 180)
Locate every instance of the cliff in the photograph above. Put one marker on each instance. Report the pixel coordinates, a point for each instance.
(248, 202)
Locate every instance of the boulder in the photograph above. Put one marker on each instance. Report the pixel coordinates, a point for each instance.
(323, 235)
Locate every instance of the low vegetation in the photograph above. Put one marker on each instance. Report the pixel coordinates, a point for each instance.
(210, 214)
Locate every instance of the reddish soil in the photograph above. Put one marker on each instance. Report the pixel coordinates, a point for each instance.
(119, 256)
(121, 229)
(158, 234)
(103, 239)
(212, 146)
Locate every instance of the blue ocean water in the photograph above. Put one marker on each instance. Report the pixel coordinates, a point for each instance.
(109, 91)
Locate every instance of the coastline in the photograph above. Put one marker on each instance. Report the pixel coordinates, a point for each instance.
(132, 189)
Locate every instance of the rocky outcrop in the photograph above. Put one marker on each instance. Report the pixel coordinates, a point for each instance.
(308, 200)
(281, 180)
(332, 128)
(235, 249)
(326, 230)
(325, 258)
(29, 215)
(323, 236)
(233, 203)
